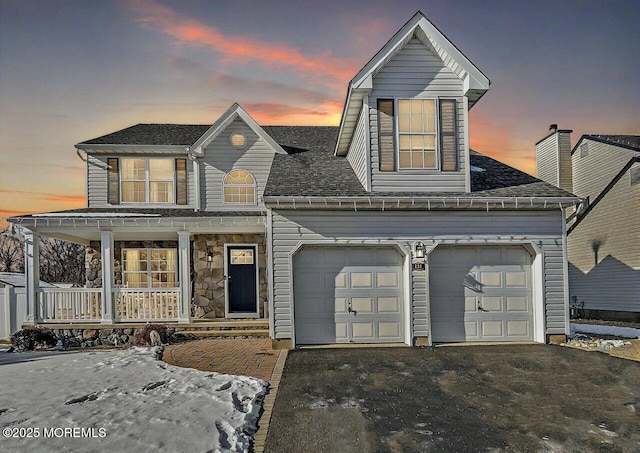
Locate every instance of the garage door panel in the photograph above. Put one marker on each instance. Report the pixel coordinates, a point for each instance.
(367, 280)
(484, 290)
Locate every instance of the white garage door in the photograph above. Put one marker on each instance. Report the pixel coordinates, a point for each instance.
(348, 295)
(480, 293)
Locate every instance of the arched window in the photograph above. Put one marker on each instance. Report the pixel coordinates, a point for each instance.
(239, 187)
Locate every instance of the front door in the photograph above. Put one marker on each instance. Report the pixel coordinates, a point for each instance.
(241, 279)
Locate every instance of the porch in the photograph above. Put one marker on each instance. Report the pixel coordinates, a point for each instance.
(162, 271)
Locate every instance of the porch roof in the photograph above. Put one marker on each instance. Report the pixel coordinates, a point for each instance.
(84, 225)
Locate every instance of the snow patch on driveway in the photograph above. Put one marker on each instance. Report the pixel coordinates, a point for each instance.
(136, 401)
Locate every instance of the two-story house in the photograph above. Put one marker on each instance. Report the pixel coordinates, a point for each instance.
(604, 233)
(387, 228)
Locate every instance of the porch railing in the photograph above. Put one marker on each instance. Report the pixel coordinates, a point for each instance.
(70, 304)
(147, 304)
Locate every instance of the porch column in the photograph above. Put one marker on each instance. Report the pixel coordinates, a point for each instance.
(32, 274)
(184, 262)
(106, 253)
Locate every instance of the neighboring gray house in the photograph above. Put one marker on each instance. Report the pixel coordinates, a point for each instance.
(385, 229)
(604, 234)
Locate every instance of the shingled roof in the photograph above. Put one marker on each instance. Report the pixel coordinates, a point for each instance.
(153, 134)
(310, 168)
(314, 171)
(631, 142)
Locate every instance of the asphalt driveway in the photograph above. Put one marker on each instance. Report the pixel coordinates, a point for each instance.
(473, 398)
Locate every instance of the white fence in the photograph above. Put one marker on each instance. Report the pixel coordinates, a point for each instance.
(13, 310)
(147, 304)
(70, 304)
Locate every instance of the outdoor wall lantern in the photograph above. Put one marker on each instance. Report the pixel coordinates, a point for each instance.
(209, 256)
(419, 251)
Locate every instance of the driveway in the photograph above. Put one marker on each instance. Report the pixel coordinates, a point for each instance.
(473, 398)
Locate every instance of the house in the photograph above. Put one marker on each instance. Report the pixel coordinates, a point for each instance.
(387, 228)
(604, 234)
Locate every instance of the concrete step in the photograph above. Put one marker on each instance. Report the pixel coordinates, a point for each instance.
(225, 333)
(255, 323)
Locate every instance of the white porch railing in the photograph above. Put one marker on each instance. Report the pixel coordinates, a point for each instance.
(147, 304)
(70, 304)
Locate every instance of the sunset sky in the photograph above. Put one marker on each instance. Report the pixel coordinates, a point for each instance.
(74, 70)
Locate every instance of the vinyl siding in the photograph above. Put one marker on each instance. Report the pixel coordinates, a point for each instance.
(375, 228)
(416, 72)
(613, 283)
(553, 160)
(592, 173)
(220, 158)
(97, 183)
(357, 153)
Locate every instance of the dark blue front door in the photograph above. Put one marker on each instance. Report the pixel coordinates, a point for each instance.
(241, 278)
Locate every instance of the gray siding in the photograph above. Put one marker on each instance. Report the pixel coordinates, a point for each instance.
(220, 158)
(97, 182)
(415, 72)
(357, 153)
(553, 160)
(592, 173)
(610, 280)
(292, 227)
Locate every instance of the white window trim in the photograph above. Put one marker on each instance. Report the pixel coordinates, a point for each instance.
(396, 105)
(227, 312)
(147, 182)
(149, 271)
(254, 185)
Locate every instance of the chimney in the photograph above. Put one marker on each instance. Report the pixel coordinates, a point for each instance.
(553, 158)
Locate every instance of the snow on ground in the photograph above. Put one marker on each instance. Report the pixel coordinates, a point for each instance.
(124, 400)
(597, 329)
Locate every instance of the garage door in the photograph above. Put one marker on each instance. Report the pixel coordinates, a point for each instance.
(348, 295)
(480, 293)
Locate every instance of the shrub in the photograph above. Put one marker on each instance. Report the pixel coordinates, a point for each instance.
(32, 338)
(143, 335)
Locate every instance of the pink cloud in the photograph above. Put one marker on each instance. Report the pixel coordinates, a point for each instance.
(186, 30)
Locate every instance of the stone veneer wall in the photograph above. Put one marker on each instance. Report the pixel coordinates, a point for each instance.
(209, 296)
(93, 258)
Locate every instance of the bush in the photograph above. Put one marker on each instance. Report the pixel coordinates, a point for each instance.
(33, 338)
(143, 336)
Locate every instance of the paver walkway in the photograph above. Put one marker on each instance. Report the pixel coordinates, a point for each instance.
(247, 357)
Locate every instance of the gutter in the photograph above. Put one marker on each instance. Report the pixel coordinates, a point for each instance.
(419, 203)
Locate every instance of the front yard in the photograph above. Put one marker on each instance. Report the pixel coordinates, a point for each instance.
(475, 398)
(122, 400)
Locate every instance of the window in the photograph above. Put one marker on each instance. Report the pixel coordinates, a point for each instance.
(634, 174)
(238, 140)
(149, 268)
(584, 150)
(242, 256)
(147, 180)
(424, 142)
(417, 133)
(239, 187)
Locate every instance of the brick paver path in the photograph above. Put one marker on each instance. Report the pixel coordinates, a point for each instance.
(628, 351)
(247, 357)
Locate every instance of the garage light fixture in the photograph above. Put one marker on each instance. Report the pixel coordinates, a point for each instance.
(419, 250)
(209, 256)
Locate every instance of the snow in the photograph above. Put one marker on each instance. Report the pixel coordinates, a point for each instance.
(94, 214)
(132, 401)
(476, 169)
(614, 331)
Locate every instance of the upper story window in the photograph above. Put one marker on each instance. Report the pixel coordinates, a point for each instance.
(584, 150)
(426, 131)
(634, 174)
(158, 180)
(238, 140)
(239, 187)
(417, 133)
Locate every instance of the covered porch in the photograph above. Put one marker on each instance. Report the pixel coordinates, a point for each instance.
(151, 268)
